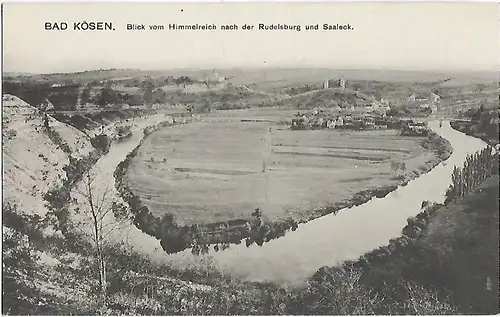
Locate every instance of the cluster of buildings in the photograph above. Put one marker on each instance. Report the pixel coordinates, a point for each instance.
(369, 107)
(318, 119)
(423, 104)
(214, 79)
(412, 128)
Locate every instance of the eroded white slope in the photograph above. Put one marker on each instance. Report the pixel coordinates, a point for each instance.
(32, 163)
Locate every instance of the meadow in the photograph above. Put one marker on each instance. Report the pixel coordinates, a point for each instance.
(207, 172)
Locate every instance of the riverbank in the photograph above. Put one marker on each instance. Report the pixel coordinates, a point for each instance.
(471, 129)
(436, 144)
(293, 258)
(221, 235)
(380, 219)
(438, 250)
(101, 173)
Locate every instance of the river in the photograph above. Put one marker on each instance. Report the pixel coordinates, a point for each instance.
(347, 235)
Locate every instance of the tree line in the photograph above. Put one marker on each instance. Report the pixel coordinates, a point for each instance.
(67, 96)
(483, 124)
(476, 168)
(63, 98)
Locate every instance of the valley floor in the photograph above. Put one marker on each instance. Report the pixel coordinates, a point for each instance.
(209, 172)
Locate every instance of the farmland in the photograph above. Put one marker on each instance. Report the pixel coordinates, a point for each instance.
(207, 172)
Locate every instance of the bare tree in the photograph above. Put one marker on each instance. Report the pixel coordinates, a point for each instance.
(98, 218)
(338, 291)
(422, 301)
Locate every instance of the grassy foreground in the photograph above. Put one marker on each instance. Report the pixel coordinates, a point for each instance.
(451, 267)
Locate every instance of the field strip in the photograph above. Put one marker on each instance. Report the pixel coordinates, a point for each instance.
(345, 148)
(352, 157)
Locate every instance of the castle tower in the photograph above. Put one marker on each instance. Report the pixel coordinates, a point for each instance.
(342, 83)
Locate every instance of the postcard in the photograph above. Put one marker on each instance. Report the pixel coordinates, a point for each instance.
(322, 158)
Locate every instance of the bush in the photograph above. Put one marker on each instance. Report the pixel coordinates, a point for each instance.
(335, 291)
(9, 134)
(101, 142)
(19, 293)
(21, 234)
(422, 301)
(56, 138)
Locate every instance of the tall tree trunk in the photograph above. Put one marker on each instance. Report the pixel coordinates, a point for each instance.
(102, 270)
(104, 285)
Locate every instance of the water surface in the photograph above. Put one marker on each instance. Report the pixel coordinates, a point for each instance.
(350, 233)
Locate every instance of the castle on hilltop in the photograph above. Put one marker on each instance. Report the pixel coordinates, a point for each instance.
(334, 83)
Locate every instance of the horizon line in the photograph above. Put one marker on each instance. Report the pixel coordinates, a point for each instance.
(454, 70)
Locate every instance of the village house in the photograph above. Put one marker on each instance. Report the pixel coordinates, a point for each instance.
(317, 119)
(432, 108)
(415, 99)
(415, 131)
(372, 106)
(435, 98)
(421, 104)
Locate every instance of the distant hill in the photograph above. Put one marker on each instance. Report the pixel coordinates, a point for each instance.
(14, 74)
(274, 75)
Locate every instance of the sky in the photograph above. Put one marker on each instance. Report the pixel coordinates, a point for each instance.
(408, 36)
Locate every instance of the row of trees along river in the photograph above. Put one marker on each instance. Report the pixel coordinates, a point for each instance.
(476, 168)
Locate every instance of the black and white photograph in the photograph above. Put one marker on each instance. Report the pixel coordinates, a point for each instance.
(322, 158)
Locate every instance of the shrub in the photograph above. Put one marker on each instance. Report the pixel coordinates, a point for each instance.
(101, 142)
(9, 134)
(123, 130)
(19, 293)
(22, 237)
(56, 138)
(422, 301)
(335, 291)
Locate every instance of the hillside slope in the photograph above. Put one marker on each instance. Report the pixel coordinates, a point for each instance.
(466, 237)
(32, 161)
(45, 271)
